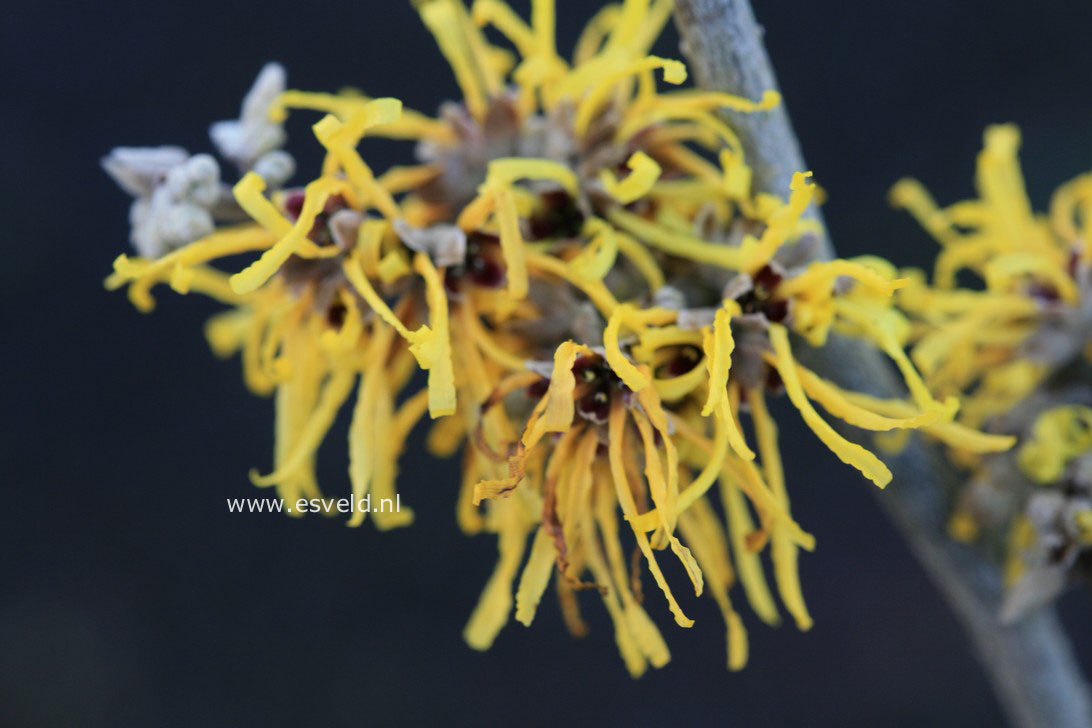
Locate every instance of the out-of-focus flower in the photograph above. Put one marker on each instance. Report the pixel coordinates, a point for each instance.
(597, 304)
(1007, 325)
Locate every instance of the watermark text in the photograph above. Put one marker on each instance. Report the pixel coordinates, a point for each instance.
(316, 505)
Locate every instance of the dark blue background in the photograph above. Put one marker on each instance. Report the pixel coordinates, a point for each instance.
(131, 596)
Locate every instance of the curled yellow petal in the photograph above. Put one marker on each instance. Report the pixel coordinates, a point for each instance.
(512, 246)
(782, 549)
(748, 565)
(848, 452)
(462, 45)
(248, 193)
(495, 604)
(507, 171)
(560, 407)
(622, 366)
(333, 396)
(535, 577)
(432, 347)
(261, 270)
(719, 358)
(677, 243)
(598, 256)
(642, 176)
(782, 223)
(629, 508)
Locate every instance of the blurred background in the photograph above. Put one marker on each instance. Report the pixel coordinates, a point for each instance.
(132, 597)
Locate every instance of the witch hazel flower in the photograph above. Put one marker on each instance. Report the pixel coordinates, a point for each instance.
(578, 261)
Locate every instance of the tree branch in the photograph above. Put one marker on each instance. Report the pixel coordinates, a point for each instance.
(1030, 664)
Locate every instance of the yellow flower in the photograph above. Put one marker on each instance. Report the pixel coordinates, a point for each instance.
(596, 302)
(1007, 316)
(1058, 436)
(985, 343)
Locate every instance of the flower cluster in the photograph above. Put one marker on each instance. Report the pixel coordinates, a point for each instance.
(1007, 325)
(579, 262)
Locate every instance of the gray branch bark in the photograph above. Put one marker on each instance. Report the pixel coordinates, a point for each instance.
(1030, 664)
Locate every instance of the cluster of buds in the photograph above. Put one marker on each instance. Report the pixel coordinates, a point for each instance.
(179, 198)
